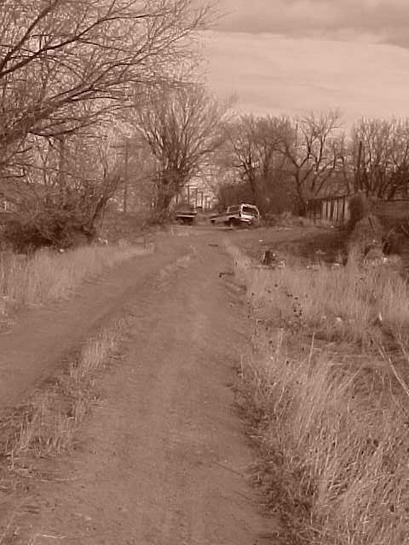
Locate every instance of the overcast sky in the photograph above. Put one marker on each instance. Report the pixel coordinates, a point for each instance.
(294, 56)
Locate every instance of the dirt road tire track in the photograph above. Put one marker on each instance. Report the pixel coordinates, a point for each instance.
(43, 337)
(163, 460)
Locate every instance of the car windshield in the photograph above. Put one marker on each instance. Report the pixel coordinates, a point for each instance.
(233, 209)
(250, 211)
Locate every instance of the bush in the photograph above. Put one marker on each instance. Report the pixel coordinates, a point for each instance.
(59, 230)
(59, 217)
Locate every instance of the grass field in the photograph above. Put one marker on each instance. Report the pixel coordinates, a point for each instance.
(326, 386)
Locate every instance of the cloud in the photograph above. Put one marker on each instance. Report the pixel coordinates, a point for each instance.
(276, 74)
(376, 20)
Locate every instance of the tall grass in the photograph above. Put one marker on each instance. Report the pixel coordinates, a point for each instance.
(49, 276)
(342, 304)
(334, 428)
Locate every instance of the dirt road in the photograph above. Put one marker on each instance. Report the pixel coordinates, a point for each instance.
(164, 459)
(43, 337)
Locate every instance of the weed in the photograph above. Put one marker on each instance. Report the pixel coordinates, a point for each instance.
(333, 425)
(346, 303)
(49, 276)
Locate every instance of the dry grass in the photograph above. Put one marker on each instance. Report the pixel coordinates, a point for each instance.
(49, 276)
(334, 427)
(346, 303)
(47, 425)
(287, 219)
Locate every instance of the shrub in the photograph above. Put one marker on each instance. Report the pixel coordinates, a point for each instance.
(57, 229)
(62, 217)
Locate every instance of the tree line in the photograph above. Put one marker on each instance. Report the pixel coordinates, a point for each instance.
(102, 98)
(281, 162)
(72, 73)
(278, 163)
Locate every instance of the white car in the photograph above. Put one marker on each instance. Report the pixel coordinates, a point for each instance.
(239, 214)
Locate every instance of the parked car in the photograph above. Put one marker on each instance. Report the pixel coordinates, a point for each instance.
(240, 214)
(186, 214)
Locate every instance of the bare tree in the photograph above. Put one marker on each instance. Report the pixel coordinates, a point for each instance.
(181, 125)
(67, 70)
(381, 153)
(314, 151)
(64, 63)
(240, 136)
(256, 155)
(399, 177)
(61, 197)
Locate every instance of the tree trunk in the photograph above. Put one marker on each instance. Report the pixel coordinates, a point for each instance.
(302, 203)
(168, 186)
(164, 196)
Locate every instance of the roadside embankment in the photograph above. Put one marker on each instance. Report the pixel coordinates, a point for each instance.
(51, 276)
(326, 388)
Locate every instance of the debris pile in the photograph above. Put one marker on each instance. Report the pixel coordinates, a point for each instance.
(272, 260)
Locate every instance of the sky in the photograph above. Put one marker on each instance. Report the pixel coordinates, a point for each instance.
(297, 56)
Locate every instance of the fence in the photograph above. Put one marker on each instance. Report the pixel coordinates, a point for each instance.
(331, 209)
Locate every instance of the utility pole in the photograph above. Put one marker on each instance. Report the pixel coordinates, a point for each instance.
(125, 203)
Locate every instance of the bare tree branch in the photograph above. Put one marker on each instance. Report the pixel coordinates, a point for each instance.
(56, 56)
(182, 128)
